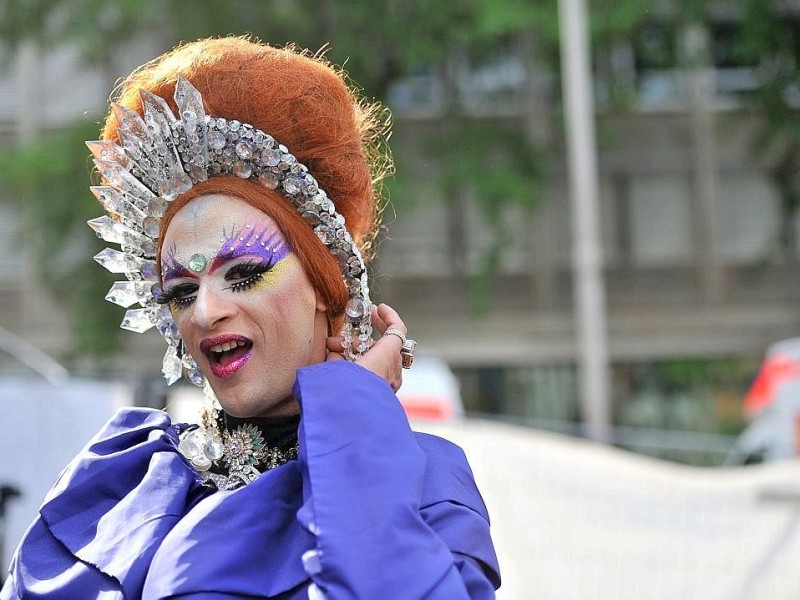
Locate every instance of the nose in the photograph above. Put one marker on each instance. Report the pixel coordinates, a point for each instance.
(211, 308)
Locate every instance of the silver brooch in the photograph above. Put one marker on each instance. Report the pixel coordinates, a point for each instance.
(242, 453)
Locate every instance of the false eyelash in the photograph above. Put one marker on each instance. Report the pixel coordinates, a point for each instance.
(181, 303)
(246, 269)
(248, 274)
(246, 284)
(174, 295)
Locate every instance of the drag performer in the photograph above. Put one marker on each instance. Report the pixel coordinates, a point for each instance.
(239, 182)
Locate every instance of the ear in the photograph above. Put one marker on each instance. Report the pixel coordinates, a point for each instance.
(321, 306)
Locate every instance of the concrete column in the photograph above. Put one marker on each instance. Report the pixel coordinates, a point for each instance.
(588, 283)
(705, 187)
(27, 131)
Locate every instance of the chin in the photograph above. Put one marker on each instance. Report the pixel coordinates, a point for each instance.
(244, 407)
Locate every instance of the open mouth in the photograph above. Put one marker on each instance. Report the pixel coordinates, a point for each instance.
(226, 354)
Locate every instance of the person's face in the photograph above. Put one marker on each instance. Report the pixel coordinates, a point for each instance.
(243, 305)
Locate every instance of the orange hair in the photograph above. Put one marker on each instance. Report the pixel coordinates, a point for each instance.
(305, 104)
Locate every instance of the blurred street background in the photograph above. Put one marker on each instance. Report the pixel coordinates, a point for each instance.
(593, 232)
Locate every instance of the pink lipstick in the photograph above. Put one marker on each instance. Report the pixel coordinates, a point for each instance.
(226, 354)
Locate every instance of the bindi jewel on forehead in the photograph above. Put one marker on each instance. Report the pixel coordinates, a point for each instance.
(198, 263)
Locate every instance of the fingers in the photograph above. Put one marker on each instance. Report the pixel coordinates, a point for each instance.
(384, 358)
(335, 343)
(384, 317)
(335, 347)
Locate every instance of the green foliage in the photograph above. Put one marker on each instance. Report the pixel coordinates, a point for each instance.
(771, 39)
(377, 42)
(47, 181)
(686, 373)
(502, 167)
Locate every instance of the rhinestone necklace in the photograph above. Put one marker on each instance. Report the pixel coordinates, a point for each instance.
(234, 452)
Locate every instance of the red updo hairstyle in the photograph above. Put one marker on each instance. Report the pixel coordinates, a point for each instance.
(305, 104)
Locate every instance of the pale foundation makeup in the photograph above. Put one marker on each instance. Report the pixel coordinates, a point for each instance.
(242, 303)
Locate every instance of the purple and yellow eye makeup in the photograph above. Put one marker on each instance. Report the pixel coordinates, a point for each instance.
(270, 247)
(264, 245)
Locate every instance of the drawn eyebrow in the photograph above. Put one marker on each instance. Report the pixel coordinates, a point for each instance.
(171, 268)
(263, 243)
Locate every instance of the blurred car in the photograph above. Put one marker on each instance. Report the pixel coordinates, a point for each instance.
(430, 391)
(781, 365)
(773, 406)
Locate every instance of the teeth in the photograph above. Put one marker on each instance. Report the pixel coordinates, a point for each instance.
(226, 346)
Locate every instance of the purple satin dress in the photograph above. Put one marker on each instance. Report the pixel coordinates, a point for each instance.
(370, 510)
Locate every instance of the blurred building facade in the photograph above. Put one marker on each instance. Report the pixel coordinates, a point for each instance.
(701, 257)
(692, 223)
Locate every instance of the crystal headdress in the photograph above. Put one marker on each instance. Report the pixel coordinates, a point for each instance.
(161, 157)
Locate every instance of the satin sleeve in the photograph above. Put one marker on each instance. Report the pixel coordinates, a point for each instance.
(101, 523)
(394, 514)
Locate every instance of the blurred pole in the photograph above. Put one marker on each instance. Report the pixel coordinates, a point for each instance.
(28, 72)
(588, 286)
(29, 355)
(704, 164)
(28, 127)
(7, 492)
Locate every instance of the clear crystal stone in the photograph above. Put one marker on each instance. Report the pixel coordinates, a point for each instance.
(311, 217)
(113, 260)
(123, 293)
(157, 207)
(110, 230)
(198, 173)
(137, 320)
(216, 140)
(201, 462)
(107, 150)
(242, 169)
(151, 226)
(171, 367)
(341, 256)
(213, 449)
(243, 150)
(271, 157)
(291, 185)
(268, 180)
(356, 308)
(189, 446)
(148, 270)
(196, 377)
(168, 330)
(149, 248)
(325, 235)
(188, 361)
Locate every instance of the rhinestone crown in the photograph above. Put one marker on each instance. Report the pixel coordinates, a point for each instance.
(161, 157)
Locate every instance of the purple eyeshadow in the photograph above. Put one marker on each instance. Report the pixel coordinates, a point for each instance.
(269, 246)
